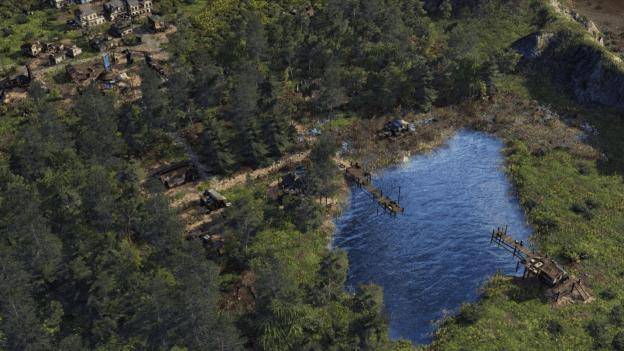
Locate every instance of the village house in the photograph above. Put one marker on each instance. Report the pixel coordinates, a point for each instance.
(52, 47)
(115, 9)
(56, 58)
(85, 74)
(86, 16)
(121, 28)
(74, 51)
(156, 23)
(58, 3)
(32, 49)
(138, 8)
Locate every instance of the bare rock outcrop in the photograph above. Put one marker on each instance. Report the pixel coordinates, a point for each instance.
(588, 72)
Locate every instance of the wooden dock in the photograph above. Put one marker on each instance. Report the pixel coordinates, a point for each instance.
(363, 179)
(562, 285)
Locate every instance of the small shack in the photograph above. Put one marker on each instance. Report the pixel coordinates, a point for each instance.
(121, 28)
(397, 127)
(74, 51)
(19, 81)
(32, 49)
(177, 174)
(156, 23)
(213, 200)
(294, 182)
(55, 59)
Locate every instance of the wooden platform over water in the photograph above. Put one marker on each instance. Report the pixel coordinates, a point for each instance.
(563, 287)
(356, 174)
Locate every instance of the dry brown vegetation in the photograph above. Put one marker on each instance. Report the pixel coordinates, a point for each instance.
(608, 16)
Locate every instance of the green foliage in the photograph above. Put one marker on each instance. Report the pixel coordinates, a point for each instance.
(215, 147)
(618, 341)
(469, 314)
(597, 329)
(97, 138)
(323, 172)
(616, 316)
(446, 9)
(89, 259)
(554, 327)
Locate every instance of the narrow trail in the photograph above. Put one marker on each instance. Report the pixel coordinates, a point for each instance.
(185, 198)
(260, 172)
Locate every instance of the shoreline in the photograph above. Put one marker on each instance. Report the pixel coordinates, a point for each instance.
(500, 128)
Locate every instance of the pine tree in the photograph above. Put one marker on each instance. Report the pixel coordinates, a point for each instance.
(333, 94)
(154, 104)
(255, 38)
(215, 150)
(245, 113)
(321, 177)
(276, 126)
(332, 277)
(446, 9)
(97, 138)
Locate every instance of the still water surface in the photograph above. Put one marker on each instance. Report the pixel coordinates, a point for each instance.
(436, 255)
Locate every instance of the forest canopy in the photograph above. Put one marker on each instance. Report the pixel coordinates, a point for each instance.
(93, 257)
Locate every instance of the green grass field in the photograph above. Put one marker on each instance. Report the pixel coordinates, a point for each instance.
(576, 206)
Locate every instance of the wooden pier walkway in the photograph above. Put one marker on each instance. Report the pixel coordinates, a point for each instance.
(563, 286)
(356, 174)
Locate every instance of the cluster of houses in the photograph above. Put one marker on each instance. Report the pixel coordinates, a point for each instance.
(56, 52)
(88, 15)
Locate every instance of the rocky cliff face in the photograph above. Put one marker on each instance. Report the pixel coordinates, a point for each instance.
(588, 72)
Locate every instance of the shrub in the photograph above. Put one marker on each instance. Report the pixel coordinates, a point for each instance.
(7, 31)
(584, 169)
(570, 253)
(468, 314)
(21, 19)
(608, 294)
(618, 341)
(597, 329)
(546, 224)
(617, 315)
(530, 204)
(592, 204)
(554, 327)
(582, 210)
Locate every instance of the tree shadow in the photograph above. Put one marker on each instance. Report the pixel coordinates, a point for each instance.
(525, 289)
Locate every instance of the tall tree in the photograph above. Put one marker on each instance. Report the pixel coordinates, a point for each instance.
(333, 94)
(332, 277)
(245, 113)
(255, 38)
(154, 104)
(97, 127)
(215, 148)
(446, 9)
(323, 172)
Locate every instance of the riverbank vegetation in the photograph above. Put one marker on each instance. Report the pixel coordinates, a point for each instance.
(95, 256)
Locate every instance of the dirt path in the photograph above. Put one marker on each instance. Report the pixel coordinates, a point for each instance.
(185, 198)
(260, 172)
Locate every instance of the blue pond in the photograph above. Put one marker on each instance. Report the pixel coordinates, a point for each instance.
(436, 255)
